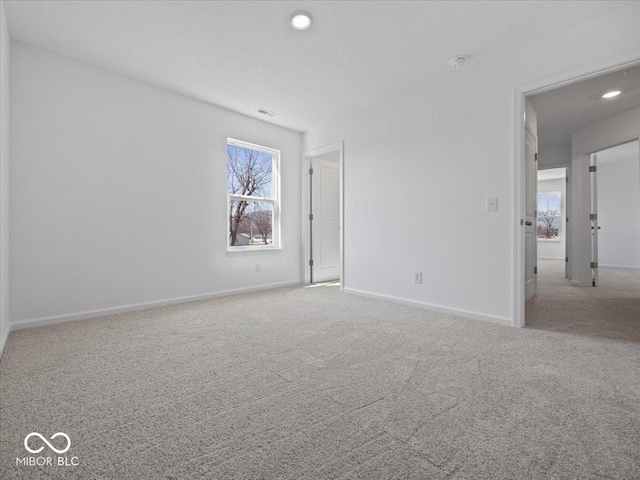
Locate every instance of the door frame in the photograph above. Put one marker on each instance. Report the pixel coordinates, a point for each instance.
(518, 166)
(593, 208)
(582, 273)
(305, 192)
(567, 209)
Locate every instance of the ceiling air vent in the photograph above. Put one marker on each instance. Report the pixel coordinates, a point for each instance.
(264, 111)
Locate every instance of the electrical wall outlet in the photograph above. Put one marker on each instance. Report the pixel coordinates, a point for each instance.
(257, 267)
(417, 277)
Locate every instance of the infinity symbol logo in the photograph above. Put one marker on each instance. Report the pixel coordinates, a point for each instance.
(36, 434)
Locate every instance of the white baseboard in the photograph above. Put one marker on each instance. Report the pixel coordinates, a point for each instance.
(623, 267)
(43, 321)
(559, 259)
(436, 308)
(3, 340)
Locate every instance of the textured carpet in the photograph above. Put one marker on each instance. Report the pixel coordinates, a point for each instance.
(611, 310)
(305, 383)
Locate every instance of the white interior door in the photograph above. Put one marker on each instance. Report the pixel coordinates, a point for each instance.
(325, 208)
(530, 242)
(594, 219)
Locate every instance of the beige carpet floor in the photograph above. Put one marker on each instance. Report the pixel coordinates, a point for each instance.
(306, 383)
(609, 311)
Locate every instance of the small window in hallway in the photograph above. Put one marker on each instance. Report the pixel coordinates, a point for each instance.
(549, 214)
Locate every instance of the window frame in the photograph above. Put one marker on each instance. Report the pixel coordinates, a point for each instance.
(559, 216)
(276, 243)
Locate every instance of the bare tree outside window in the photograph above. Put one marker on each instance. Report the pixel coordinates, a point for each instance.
(263, 220)
(548, 216)
(251, 189)
(548, 226)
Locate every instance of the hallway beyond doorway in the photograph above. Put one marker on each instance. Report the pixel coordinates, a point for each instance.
(610, 311)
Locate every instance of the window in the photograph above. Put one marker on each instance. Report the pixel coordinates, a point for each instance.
(252, 196)
(548, 216)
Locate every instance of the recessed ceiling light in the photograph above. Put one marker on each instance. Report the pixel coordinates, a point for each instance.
(300, 20)
(615, 93)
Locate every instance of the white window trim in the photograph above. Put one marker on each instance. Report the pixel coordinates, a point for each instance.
(275, 201)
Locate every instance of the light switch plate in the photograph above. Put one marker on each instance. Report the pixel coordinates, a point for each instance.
(492, 204)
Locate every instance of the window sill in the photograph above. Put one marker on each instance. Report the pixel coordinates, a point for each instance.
(252, 250)
(549, 239)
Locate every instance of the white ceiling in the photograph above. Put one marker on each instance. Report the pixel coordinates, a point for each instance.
(245, 56)
(567, 109)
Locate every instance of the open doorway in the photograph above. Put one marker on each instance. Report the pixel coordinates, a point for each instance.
(574, 120)
(609, 310)
(552, 230)
(615, 197)
(551, 226)
(323, 216)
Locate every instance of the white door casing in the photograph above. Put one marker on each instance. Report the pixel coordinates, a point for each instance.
(575, 210)
(594, 219)
(325, 201)
(567, 230)
(530, 269)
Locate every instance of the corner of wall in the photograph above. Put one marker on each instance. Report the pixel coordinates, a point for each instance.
(5, 49)
(3, 341)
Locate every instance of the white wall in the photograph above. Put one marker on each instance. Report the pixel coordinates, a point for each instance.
(5, 47)
(619, 206)
(426, 162)
(554, 249)
(555, 156)
(118, 193)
